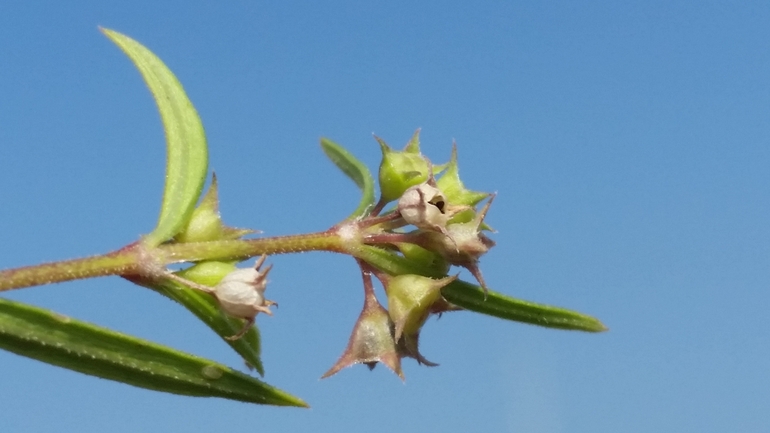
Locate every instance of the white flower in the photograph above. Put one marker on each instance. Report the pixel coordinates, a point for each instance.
(423, 206)
(241, 294)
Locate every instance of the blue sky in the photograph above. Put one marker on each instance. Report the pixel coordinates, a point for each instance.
(628, 144)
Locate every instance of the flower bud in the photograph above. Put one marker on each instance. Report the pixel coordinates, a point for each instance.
(241, 294)
(205, 224)
(410, 298)
(208, 273)
(400, 170)
(372, 337)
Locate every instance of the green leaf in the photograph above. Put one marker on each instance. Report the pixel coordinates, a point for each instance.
(89, 349)
(471, 297)
(206, 309)
(185, 139)
(355, 170)
(394, 264)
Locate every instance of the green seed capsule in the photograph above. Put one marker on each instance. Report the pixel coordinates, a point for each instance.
(400, 170)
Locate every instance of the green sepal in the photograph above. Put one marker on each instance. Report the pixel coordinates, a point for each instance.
(357, 171)
(205, 224)
(413, 145)
(187, 154)
(410, 298)
(400, 170)
(453, 188)
(59, 340)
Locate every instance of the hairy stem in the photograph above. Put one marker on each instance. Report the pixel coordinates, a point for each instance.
(242, 249)
(127, 260)
(138, 259)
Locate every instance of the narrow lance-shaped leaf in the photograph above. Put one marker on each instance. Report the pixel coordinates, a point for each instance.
(355, 170)
(206, 309)
(89, 349)
(472, 297)
(187, 157)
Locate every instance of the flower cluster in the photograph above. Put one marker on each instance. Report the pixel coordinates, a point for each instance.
(434, 224)
(442, 211)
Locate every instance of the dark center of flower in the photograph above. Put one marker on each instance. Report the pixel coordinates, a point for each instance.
(439, 204)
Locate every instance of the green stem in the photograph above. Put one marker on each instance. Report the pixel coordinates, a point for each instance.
(243, 249)
(127, 260)
(136, 258)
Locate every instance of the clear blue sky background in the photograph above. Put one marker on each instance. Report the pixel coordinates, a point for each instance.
(628, 143)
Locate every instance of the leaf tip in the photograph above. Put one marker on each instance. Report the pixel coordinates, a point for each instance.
(106, 32)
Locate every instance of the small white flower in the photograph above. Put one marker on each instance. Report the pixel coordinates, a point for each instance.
(424, 207)
(241, 294)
